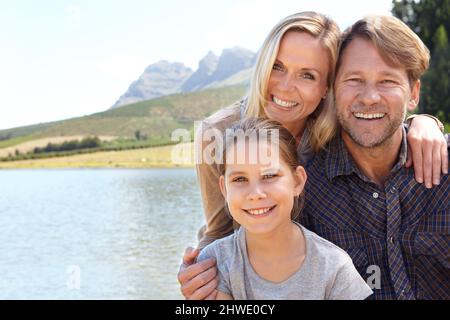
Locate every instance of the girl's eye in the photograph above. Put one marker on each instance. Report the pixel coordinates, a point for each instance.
(239, 179)
(277, 67)
(270, 176)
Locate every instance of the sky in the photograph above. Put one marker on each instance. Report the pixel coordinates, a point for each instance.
(63, 59)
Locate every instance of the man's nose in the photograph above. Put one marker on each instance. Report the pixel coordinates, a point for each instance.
(369, 95)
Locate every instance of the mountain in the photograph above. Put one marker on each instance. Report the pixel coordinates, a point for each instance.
(201, 77)
(159, 79)
(233, 67)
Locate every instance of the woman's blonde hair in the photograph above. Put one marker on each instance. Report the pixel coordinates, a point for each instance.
(322, 123)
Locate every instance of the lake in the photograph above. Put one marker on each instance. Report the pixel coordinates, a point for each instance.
(95, 233)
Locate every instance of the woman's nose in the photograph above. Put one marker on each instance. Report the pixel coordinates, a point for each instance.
(286, 82)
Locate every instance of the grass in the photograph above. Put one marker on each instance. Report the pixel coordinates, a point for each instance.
(156, 157)
(15, 141)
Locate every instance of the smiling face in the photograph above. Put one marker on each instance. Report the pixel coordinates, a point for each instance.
(298, 80)
(260, 197)
(371, 96)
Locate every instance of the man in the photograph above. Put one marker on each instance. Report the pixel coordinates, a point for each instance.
(359, 194)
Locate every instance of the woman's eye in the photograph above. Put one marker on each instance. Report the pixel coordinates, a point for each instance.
(308, 76)
(277, 67)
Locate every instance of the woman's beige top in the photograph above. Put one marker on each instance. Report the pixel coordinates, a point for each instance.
(218, 223)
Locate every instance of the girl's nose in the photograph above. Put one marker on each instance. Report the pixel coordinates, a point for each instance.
(256, 192)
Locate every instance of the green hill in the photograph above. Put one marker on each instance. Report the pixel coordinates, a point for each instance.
(155, 118)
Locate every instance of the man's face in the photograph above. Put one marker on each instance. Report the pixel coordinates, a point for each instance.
(371, 96)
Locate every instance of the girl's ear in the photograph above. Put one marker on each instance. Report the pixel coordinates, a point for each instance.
(300, 175)
(222, 186)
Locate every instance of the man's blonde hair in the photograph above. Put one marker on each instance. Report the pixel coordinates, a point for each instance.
(322, 123)
(396, 42)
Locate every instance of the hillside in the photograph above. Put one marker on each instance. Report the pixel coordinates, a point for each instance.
(155, 118)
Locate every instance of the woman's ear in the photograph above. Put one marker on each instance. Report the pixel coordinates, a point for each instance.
(325, 93)
(222, 186)
(300, 175)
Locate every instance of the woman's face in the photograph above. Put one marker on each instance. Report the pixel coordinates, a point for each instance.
(298, 80)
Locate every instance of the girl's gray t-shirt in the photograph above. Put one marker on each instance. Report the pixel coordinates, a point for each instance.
(327, 272)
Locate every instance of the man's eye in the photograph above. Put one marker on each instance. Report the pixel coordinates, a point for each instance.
(270, 176)
(388, 81)
(239, 179)
(355, 80)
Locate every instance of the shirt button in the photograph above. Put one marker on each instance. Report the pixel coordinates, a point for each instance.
(391, 240)
(392, 189)
(375, 195)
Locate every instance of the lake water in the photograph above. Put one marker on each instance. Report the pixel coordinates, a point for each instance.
(95, 234)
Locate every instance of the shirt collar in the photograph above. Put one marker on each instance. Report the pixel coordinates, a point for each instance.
(338, 161)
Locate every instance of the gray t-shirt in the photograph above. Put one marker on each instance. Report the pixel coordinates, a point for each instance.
(327, 272)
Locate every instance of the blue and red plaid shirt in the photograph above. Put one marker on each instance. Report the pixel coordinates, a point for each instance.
(398, 236)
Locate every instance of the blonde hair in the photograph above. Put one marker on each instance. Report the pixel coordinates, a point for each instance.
(263, 129)
(396, 42)
(322, 123)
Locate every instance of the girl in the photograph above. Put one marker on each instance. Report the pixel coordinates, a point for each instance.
(270, 256)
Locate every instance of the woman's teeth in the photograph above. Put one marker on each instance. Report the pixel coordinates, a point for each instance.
(257, 212)
(287, 104)
(361, 115)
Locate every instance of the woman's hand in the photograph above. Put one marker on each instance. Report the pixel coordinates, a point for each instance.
(427, 151)
(198, 280)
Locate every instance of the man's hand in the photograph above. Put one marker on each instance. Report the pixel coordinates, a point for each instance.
(198, 280)
(427, 151)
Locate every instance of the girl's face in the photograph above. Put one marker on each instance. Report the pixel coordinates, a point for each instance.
(298, 80)
(259, 196)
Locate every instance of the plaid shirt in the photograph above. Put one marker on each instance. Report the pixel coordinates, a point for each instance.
(401, 230)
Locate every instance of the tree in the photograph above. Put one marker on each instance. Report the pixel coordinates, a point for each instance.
(430, 19)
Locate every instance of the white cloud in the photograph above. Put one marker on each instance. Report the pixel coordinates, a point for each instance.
(73, 16)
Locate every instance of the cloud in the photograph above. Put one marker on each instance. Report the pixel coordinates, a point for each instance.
(73, 17)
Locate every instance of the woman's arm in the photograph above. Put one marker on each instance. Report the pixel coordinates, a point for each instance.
(427, 150)
(218, 222)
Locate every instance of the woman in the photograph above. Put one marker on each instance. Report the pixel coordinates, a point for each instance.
(292, 84)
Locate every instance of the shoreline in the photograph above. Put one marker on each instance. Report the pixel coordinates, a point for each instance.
(148, 158)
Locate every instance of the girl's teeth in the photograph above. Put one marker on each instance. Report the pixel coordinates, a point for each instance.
(283, 103)
(361, 115)
(258, 211)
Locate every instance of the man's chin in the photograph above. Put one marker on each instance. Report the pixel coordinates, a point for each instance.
(367, 139)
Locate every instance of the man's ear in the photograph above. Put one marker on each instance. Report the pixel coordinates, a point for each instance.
(415, 95)
(222, 186)
(300, 175)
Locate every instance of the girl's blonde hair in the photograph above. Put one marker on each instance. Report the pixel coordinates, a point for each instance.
(322, 123)
(262, 130)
